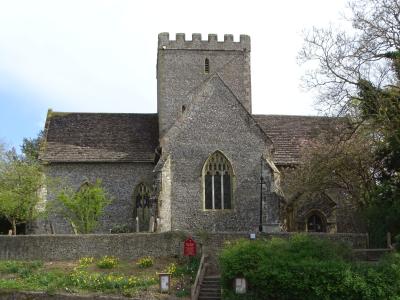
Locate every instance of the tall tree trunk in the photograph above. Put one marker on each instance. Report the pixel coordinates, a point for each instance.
(14, 227)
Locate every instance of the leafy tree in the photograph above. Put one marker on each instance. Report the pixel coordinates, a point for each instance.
(357, 74)
(333, 166)
(31, 147)
(83, 208)
(20, 186)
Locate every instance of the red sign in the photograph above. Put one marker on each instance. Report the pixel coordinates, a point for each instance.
(189, 247)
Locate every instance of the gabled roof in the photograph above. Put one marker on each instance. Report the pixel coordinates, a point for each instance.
(100, 137)
(213, 80)
(290, 133)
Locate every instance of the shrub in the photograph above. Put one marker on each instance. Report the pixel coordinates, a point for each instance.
(304, 267)
(107, 262)
(121, 229)
(82, 208)
(20, 267)
(397, 242)
(86, 261)
(171, 268)
(145, 262)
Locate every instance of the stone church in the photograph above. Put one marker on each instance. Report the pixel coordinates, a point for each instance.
(204, 161)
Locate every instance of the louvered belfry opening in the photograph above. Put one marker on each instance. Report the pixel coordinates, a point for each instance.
(207, 66)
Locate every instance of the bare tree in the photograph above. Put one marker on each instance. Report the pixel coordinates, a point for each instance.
(339, 60)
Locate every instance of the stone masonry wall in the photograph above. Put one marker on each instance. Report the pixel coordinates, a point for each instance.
(215, 120)
(131, 246)
(180, 70)
(119, 180)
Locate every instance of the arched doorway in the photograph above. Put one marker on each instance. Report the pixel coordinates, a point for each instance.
(142, 208)
(316, 222)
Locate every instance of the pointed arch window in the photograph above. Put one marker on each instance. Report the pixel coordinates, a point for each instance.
(142, 207)
(316, 222)
(218, 182)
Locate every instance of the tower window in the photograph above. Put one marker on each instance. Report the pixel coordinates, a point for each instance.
(207, 66)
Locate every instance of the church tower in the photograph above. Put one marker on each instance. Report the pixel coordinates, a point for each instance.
(182, 67)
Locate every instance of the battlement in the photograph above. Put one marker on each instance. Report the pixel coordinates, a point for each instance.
(180, 43)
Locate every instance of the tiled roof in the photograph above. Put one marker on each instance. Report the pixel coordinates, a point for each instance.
(100, 137)
(290, 133)
(107, 137)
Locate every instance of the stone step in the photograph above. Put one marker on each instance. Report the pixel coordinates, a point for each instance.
(214, 288)
(210, 288)
(210, 291)
(210, 295)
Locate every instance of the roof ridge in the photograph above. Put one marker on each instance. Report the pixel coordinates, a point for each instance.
(302, 116)
(100, 113)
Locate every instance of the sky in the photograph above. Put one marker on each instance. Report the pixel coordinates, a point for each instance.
(100, 56)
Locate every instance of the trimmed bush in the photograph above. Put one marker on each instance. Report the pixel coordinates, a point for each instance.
(304, 267)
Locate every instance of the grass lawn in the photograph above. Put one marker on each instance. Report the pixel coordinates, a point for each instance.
(105, 276)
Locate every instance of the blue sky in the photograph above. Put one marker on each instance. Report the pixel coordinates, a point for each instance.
(100, 56)
(21, 113)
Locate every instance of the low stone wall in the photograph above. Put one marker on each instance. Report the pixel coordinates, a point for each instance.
(131, 246)
(354, 240)
(72, 247)
(45, 296)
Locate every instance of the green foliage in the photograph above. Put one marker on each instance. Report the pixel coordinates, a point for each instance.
(107, 262)
(19, 267)
(306, 268)
(31, 147)
(122, 229)
(83, 208)
(191, 267)
(31, 276)
(86, 261)
(357, 75)
(397, 242)
(20, 186)
(171, 268)
(145, 262)
(107, 282)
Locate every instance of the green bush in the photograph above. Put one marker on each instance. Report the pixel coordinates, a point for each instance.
(107, 262)
(145, 262)
(397, 242)
(306, 268)
(85, 261)
(19, 267)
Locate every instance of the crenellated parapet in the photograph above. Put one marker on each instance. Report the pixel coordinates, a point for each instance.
(180, 42)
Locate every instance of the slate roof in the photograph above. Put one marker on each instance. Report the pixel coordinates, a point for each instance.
(118, 137)
(290, 133)
(100, 137)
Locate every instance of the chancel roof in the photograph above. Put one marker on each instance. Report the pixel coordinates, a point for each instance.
(290, 133)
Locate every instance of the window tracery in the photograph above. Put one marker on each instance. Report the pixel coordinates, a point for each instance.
(218, 178)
